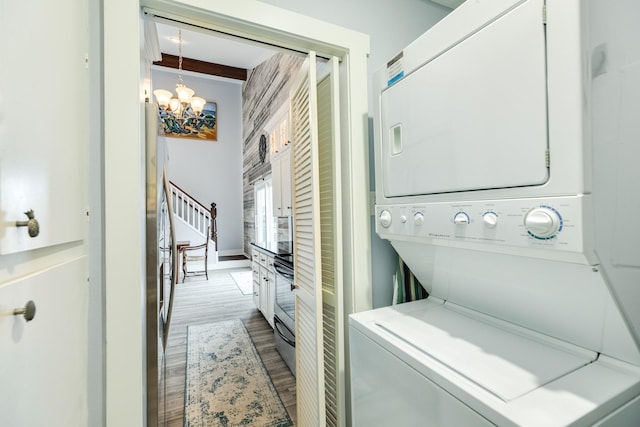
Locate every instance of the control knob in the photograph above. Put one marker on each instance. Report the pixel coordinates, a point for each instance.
(490, 219)
(418, 218)
(543, 222)
(461, 218)
(385, 218)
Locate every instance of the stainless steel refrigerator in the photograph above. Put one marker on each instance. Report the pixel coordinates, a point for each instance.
(161, 267)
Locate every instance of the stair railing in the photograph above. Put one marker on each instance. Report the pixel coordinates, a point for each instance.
(194, 213)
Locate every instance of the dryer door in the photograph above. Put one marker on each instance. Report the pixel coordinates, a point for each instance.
(474, 117)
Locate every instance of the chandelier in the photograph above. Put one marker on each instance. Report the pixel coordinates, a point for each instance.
(182, 114)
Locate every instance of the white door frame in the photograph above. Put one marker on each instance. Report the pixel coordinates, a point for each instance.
(124, 174)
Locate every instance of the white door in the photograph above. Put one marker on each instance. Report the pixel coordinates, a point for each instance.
(331, 254)
(44, 135)
(43, 122)
(276, 177)
(306, 238)
(318, 246)
(285, 182)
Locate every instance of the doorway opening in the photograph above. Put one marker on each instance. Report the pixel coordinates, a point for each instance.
(234, 171)
(279, 28)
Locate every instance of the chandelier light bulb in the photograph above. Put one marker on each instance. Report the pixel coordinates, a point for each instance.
(175, 106)
(197, 104)
(184, 93)
(162, 97)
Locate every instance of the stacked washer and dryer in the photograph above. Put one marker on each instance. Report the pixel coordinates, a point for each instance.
(507, 142)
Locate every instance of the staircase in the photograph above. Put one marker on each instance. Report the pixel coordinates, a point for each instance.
(193, 218)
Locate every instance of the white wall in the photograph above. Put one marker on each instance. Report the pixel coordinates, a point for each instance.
(391, 26)
(211, 171)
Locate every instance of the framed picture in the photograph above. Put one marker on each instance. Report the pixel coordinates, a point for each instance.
(186, 124)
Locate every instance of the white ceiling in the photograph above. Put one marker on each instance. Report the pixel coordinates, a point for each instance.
(206, 46)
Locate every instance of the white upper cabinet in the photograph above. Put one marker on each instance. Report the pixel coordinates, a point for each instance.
(278, 129)
(281, 178)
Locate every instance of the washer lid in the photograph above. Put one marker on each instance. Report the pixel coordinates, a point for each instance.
(506, 360)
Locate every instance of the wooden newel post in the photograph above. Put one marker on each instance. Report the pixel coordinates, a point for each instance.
(214, 227)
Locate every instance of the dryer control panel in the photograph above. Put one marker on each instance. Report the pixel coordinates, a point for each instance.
(552, 224)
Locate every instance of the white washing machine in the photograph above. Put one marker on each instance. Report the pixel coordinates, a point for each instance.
(433, 363)
(506, 150)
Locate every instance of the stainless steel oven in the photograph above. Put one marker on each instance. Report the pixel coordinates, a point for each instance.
(285, 310)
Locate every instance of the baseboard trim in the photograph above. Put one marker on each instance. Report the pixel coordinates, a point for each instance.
(221, 265)
(231, 252)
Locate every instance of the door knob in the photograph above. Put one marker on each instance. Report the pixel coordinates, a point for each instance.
(28, 311)
(32, 224)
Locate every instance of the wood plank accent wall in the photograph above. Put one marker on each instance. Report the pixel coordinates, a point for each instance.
(266, 89)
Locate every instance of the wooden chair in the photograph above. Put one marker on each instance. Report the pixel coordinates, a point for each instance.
(199, 253)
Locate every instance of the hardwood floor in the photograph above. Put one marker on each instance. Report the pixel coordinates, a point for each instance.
(199, 301)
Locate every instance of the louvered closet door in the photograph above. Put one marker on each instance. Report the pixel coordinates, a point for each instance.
(309, 345)
(318, 246)
(331, 245)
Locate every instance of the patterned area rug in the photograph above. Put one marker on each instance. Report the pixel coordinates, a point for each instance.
(227, 384)
(244, 280)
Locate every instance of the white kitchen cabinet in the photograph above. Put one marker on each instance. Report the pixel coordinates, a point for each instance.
(281, 179)
(267, 294)
(278, 129)
(271, 296)
(263, 283)
(264, 292)
(267, 287)
(256, 282)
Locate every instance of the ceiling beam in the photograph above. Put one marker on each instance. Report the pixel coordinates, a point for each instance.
(197, 66)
